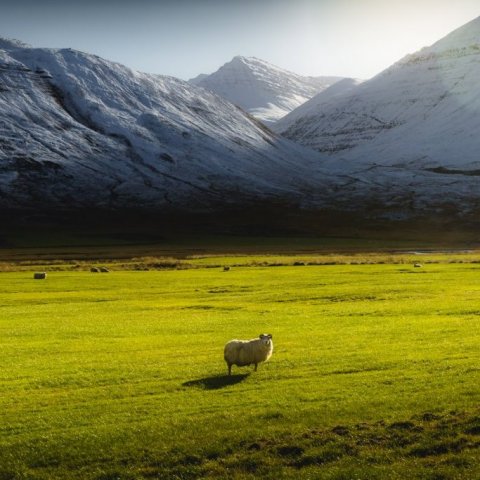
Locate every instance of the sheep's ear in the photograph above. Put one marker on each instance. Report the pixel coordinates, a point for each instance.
(269, 336)
(261, 335)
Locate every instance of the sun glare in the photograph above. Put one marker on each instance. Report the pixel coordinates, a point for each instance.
(362, 38)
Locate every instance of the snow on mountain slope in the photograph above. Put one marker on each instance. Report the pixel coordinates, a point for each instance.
(422, 112)
(265, 91)
(80, 131)
(407, 140)
(330, 95)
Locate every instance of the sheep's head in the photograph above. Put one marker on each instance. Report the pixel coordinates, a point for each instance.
(266, 339)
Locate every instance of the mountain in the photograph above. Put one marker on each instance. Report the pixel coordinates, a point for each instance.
(407, 140)
(265, 91)
(424, 111)
(78, 131)
(330, 95)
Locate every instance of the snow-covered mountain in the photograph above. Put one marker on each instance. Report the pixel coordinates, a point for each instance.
(330, 95)
(421, 113)
(80, 131)
(406, 141)
(265, 91)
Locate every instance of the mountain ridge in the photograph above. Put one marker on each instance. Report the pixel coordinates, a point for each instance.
(423, 109)
(262, 89)
(77, 131)
(71, 121)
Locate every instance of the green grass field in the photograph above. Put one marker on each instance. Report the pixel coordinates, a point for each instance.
(375, 373)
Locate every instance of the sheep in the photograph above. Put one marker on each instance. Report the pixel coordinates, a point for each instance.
(40, 275)
(417, 265)
(246, 352)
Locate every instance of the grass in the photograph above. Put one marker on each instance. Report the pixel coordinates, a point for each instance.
(120, 375)
(92, 259)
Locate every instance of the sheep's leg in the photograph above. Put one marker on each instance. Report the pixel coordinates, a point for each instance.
(256, 367)
(229, 369)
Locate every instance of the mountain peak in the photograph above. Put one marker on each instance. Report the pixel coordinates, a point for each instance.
(423, 111)
(250, 61)
(257, 66)
(239, 59)
(264, 90)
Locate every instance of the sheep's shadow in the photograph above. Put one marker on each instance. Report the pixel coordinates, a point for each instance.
(216, 382)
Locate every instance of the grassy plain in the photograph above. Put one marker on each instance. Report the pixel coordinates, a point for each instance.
(375, 372)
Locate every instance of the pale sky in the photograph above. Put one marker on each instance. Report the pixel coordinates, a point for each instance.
(355, 38)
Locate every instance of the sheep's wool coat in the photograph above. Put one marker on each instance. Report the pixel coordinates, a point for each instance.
(246, 352)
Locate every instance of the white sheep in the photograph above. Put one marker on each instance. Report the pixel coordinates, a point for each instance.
(246, 352)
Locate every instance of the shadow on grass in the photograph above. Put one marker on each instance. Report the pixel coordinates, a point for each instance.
(216, 382)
